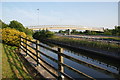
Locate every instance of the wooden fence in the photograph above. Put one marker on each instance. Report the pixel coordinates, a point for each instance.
(60, 61)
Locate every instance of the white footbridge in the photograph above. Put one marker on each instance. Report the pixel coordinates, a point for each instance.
(63, 27)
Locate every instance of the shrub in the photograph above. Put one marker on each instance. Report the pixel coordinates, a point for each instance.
(11, 36)
(42, 34)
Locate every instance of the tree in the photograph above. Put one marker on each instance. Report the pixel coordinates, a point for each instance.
(93, 33)
(36, 35)
(17, 25)
(87, 32)
(3, 25)
(28, 31)
(117, 30)
(80, 32)
(74, 31)
(48, 34)
(42, 34)
(107, 32)
(60, 31)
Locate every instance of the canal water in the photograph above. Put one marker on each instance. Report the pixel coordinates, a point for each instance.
(108, 64)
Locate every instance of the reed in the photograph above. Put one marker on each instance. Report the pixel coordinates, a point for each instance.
(88, 43)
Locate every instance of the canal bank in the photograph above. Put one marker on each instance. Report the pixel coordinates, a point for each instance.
(112, 66)
(94, 51)
(89, 67)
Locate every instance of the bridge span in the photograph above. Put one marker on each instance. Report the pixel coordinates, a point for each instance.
(61, 27)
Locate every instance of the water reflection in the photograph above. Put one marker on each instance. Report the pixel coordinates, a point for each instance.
(97, 60)
(108, 64)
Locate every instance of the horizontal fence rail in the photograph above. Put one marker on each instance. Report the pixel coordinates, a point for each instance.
(61, 64)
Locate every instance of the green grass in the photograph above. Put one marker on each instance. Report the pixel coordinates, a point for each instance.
(12, 67)
(113, 38)
(87, 43)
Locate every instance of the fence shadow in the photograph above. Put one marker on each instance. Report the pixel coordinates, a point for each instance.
(15, 64)
(30, 69)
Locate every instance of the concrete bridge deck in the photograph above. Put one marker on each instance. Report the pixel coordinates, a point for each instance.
(60, 27)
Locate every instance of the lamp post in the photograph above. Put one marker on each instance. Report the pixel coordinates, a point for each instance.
(38, 16)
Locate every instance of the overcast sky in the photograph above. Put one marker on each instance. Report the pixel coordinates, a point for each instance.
(96, 14)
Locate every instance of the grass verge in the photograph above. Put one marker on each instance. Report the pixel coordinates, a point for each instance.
(12, 67)
(87, 43)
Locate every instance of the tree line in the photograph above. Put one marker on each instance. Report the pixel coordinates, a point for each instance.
(16, 25)
(111, 32)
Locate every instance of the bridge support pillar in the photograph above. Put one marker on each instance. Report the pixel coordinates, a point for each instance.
(69, 32)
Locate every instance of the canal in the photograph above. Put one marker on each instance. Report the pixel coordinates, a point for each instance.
(109, 64)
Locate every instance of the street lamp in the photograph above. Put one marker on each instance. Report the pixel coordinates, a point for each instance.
(38, 16)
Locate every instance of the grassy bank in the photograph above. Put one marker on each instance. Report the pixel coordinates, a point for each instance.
(87, 43)
(12, 67)
(112, 38)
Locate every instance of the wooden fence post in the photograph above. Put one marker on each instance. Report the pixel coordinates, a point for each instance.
(118, 47)
(21, 41)
(60, 67)
(108, 45)
(26, 47)
(119, 71)
(37, 52)
(19, 45)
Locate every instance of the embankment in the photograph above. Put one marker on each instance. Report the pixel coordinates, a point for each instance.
(90, 50)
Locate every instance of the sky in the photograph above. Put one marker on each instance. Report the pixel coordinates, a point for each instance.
(88, 14)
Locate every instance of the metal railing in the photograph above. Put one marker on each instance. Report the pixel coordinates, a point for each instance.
(60, 61)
